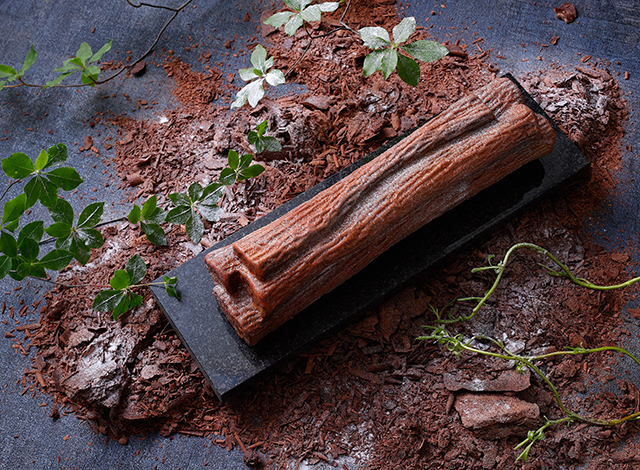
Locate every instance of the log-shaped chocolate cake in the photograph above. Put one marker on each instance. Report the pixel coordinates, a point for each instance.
(267, 277)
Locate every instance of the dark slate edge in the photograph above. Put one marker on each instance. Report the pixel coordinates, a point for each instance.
(228, 363)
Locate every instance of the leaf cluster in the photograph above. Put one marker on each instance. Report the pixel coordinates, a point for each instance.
(45, 176)
(150, 216)
(303, 11)
(386, 58)
(261, 142)
(261, 71)
(121, 297)
(9, 74)
(83, 62)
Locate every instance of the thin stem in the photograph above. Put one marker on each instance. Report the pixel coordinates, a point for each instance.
(175, 13)
(151, 5)
(128, 66)
(8, 188)
(62, 284)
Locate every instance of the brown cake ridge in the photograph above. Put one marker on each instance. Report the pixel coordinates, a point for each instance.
(270, 275)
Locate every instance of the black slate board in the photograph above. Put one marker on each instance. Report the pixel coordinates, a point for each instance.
(228, 363)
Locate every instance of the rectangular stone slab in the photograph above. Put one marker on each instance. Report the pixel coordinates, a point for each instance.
(228, 362)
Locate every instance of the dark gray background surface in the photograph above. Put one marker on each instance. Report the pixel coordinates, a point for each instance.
(29, 439)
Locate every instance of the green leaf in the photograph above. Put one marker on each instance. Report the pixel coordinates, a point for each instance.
(279, 19)
(268, 144)
(261, 128)
(258, 57)
(56, 260)
(2, 84)
(249, 74)
(70, 66)
(90, 75)
(137, 269)
(59, 230)
(6, 71)
(297, 5)
(18, 166)
(157, 217)
(98, 55)
(14, 208)
(408, 70)
(329, 6)
(179, 215)
(195, 228)
(62, 212)
(91, 237)
(372, 63)
(84, 52)
(233, 159)
(22, 270)
(389, 62)
(128, 301)
(426, 51)
(403, 31)
(195, 192)
(228, 176)
(42, 160)
(211, 212)
(33, 230)
(212, 193)
(43, 189)
(29, 249)
(149, 207)
(294, 23)
(66, 178)
(107, 300)
(180, 199)
(29, 60)
(58, 80)
(251, 172)
(134, 214)
(172, 291)
(375, 37)
(12, 226)
(8, 245)
(311, 13)
(81, 252)
(57, 154)
(255, 92)
(275, 77)
(245, 160)
(120, 280)
(5, 265)
(154, 233)
(91, 215)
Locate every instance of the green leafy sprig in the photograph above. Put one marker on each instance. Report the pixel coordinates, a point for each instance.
(303, 11)
(198, 203)
(150, 217)
(239, 169)
(9, 74)
(80, 238)
(83, 62)
(121, 297)
(386, 58)
(45, 177)
(456, 344)
(261, 142)
(261, 71)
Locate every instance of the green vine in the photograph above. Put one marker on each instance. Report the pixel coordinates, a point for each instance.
(457, 345)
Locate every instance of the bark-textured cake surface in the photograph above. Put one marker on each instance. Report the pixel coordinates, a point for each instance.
(267, 277)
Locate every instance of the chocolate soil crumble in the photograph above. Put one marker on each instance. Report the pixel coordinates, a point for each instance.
(370, 392)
